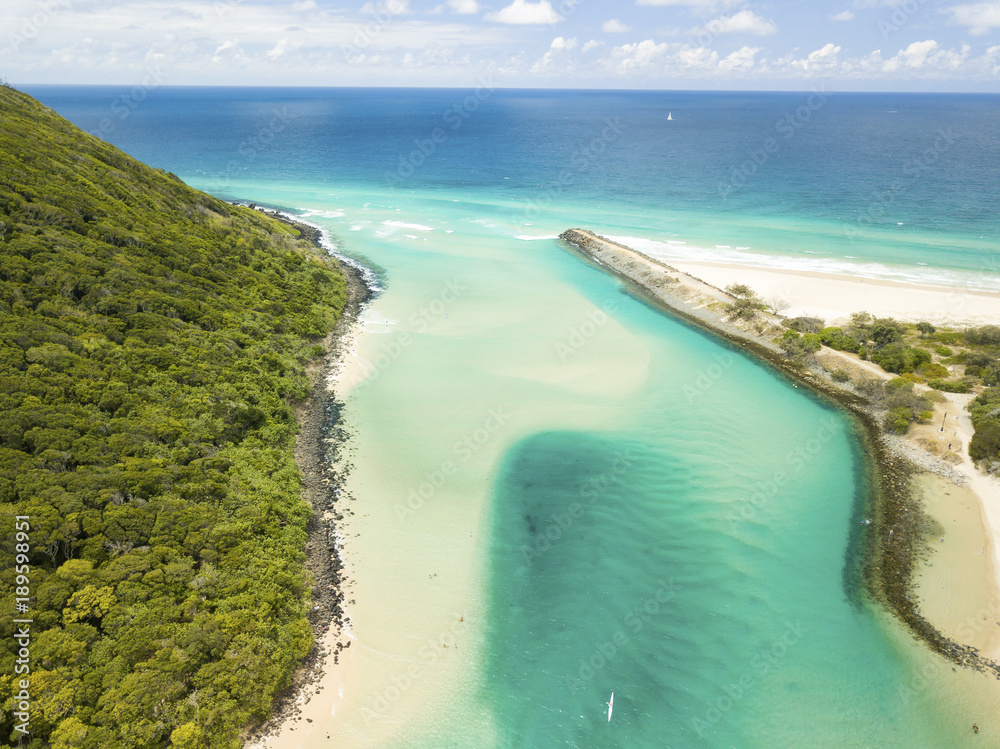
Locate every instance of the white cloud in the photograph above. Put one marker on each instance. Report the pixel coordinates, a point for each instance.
(387, 7)
(823, 59)
(524, 13)
(231, 48)
(559, 44)
(743, 22)
(629, 57)
(926, 59)
(697, 4)
(230, 42)
(698, 58)
(991, 61)
(981, 18)
(464, 7)
(844, 15)
(277, 50)
(914, 56)
(614, 26)
(392, 7)
(740, 61)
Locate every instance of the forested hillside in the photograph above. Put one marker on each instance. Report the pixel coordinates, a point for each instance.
(151, 341)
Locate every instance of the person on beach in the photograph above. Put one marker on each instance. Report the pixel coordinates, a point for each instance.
(975, 728)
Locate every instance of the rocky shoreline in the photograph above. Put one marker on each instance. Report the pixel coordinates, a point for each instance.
(888, 532)
(319, 450)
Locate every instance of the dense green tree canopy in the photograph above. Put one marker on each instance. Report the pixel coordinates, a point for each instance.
(151, 341)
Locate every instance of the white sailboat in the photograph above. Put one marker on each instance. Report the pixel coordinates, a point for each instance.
(611, 706)
(670, 115)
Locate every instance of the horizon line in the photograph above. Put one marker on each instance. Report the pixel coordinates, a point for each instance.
(812, 89)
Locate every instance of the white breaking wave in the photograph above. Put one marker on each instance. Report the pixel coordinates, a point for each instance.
(369, 276)
(405, 225)
(310, 212)
(668, 252)
(375, 318)
(534, 237)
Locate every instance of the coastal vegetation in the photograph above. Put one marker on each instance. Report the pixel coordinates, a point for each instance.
(918, 353)
(154, 341)
(897, 397)
(985, 445)
(746, 305)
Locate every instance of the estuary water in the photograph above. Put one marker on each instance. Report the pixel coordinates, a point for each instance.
(557, 491)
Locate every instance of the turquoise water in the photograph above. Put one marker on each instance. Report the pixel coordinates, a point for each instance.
(653, 514)
(694, 565)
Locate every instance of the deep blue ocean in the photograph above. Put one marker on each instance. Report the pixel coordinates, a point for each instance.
(902, 179)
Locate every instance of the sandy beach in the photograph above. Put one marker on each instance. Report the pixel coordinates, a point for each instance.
(833, 298)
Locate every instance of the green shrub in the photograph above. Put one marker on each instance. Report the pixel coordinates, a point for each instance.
(933, 370)
(900, 357)
(943, 351)
(978, 360)
(799, 346)
(804, 324)
(950, 386)
(840, 375)
(740, 291)
(985, 335)
(985, 443)
(745, 308)
(837, 339)
(983, 366)
(898, 420)
(984, 404)
(884, 334)
(951, 337)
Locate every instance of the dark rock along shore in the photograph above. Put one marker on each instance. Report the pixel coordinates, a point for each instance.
(319, 452)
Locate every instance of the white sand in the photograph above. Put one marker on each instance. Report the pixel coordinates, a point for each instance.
(834, 298)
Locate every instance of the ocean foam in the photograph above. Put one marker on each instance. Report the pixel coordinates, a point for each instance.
(669, 251)
(405, 225)
(311, 212)
(368, 276)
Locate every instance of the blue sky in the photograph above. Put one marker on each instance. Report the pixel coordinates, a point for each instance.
(905, 45)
